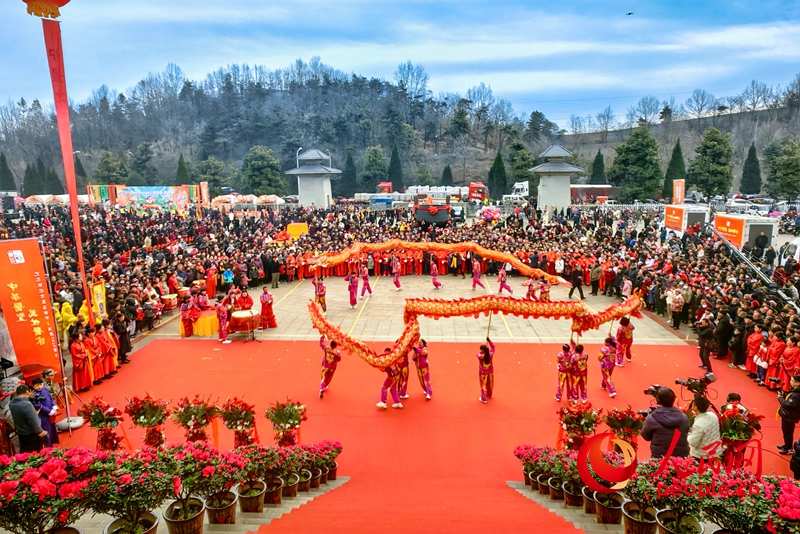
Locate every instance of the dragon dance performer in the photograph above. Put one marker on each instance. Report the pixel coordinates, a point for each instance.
(319, 294)
(330, 359)
(532, 286)
(267, 314)
(476, 275)
(579, 370)
(486, 370)
(544, 290)
(434, 269)
(608, 354)
(396, 273)
(390, 386)
(423, 369)
(564, 360)
(365, 279)
(222, 316)
(501, 278)
(402, 376)
(624, 340)
(352, 287)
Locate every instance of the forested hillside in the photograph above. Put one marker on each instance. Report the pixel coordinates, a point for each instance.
(168, 129)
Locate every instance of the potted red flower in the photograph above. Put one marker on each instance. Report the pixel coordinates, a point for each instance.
(105, 418)
(286, 418)
(578, 423)
(240, 417)
(316, 464)
(150, 414)
(742, 509)
(332, 451)
(784, 513)
(194, 416)
(289, 466)
(736, 428)
(641, 492)
(626, 425)
(253, 486)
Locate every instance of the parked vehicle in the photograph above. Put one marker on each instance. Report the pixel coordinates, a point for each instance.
(458, 214)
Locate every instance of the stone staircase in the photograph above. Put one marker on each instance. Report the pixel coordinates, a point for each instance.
(244, 522)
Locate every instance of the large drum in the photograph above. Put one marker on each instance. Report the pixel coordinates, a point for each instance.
(184, 292)
(244, 321)
(170, 302)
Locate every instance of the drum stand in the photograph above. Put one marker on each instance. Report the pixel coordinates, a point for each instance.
(251, 333)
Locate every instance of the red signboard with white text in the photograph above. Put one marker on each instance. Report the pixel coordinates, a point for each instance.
(673, 218)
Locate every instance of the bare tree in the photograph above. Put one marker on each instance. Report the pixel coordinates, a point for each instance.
(482, 101)
(756, 95)
(701, 103)
(605, 121)
(412, 78)
(646, 110)
(576, 124)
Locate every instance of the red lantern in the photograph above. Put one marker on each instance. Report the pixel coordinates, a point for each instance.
(45, 8)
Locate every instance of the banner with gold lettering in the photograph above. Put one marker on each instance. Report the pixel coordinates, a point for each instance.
(678, 191)
(25, 300)
(99, 300)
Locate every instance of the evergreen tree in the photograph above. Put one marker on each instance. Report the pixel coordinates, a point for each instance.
(374, 168)
(109, 170)
(459, 124)
(183, 177)
(521, 161)
(348, 185)
(81, 178)
(598, 170)
(676, 170)
(447, 176)
(423, 176)
(6, 176)
(751, 173)
(497, 177)
(712, 170)
(395, 171)
(211, 170)
(772, 151)
(32, 183)
(52, 183)
(42, 171)
(262, 172)
(636, 166)
(785, 167)
(142, 163)
(134, 178)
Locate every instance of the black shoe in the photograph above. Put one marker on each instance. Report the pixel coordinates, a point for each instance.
(785, 452)
(781, 447)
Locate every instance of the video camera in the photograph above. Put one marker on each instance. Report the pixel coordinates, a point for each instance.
(698, 386)
(652, 390)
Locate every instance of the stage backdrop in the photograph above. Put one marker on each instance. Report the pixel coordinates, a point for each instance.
(25, 299)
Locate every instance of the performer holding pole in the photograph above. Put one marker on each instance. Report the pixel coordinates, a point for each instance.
(501, 277)
(330, 359)
(365, 281)
(624, 340)
(607, 355)
(402, 377)
(544, 290)
(389, 386)
(486, 369)
(434, 269)
(352, 287)
(319, 295)
(476, 275)
(396, 272)
(579, 369)
(222, 316)
(564, 359)
(532, 285)
(423, 369)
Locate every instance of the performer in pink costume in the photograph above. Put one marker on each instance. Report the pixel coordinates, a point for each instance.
(267, 313)
(486, 370)
(222, 317)
(423, 369)
(564, 359)
(435, 274)
(501, 277)
(579, 370)
(330, 359)
(319, 294)
(624, 340)
(532, 285)
(476, 275)
(352, 287)
(607, 355)
(396, 273)
(544, 290)
(402, 377)
(389, 386)
(365, 278)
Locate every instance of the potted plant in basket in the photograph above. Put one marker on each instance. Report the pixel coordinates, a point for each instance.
(743, 511)
(626, 425)
(608, 506)
(286, 418)
(290, 466)
(105, 418)
(316, 464)
(543, 462)
(578, 423)
(45, 492)
(128, 486)
(680, 513)
(240, 417)
(524, 454)
(736, 428)
(253, 486)
(304, 458)
(571, 481)
(332, 451)
(784, 512)
(150, 414)
(641, 492)
(194, 416)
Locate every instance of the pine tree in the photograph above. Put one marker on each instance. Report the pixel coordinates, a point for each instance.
(497, 177)
(751, 173)
(109, 170)
(262, 172)
(32, 182)
(676, 170)
(182, 178)
(712, 170)
(348, 184)
(520, 161)
(6, 176)
(598, 170)
(81, 178)
(142, 163)
(636, 166)
(374, 168)
(447, 176)
(395, 171)
(52, 183)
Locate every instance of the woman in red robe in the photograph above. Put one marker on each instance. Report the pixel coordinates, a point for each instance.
(267, 314)
(106, 346)
(92, 346)
(81, 366)
(774, 354)
(211, 281)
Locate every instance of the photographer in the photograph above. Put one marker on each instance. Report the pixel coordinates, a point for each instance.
(704, 431)
(705, 335)
(660, 426)
(26, 421)
(790, 415)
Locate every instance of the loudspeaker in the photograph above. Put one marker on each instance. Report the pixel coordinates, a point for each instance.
(8, 205)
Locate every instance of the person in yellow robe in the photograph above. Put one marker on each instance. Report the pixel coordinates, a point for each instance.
(68, 318)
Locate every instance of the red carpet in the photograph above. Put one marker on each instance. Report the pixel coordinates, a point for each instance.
(434, 466)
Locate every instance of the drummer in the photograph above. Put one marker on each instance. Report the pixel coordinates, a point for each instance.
(201, 301)
(244, 302)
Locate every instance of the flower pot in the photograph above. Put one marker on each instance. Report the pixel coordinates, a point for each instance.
(332, 471)
(316, 477)
(251, 503)
(305, 480)
(556, 493)
(192, 525)
(147, 520)
(633, 523)
(272, 495)
(290, 486)
(323, 479)
(608, 508)
(526, 477)
(666, 523)
(588, 501)
(225, 514)
(66, 530)
(571, 499)
(541, 480)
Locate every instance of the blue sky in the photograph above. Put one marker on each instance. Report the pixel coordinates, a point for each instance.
(557, 57)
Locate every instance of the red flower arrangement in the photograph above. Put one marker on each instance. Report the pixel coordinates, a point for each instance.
(240, 417)
(784, 514)
(624, 424)
(194, 416)
(105, 418)
(331, 450)
(286, 418)
(149, 413)
(736, 427)
(578, 422)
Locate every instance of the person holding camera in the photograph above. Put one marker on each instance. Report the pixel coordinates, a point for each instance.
(789, 413)
(661, 424)
(26, 420)
(705, 338)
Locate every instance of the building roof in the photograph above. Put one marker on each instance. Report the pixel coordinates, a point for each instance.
(555, 167)
(313, 169)
(555, 151)
(313, 154)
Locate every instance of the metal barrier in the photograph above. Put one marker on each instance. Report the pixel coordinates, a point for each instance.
(620, 207)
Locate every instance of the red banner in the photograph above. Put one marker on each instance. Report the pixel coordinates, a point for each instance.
(55, 59)
(28, 311)
(673, 218)
(678, 191)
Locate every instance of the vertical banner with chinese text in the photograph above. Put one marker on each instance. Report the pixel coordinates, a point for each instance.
(678, 191)
(25, 299)
(99, 300)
